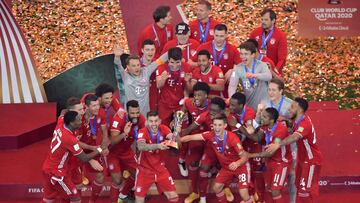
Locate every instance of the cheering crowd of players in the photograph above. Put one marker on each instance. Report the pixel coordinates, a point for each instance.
(257, 137)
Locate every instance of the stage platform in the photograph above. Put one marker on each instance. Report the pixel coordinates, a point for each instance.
(24, 124)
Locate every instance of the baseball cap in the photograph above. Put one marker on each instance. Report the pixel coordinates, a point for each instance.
(182, 29)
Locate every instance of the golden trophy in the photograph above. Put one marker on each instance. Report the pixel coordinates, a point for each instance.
(178, 120)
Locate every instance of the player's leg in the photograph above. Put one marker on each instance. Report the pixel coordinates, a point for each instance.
(243, 173)
(279, 176)
(291, 177)
(308, 186)
(128, 161)
(165, 183)
(182, 159)
(116, 177)
(66, 189)
(196, 149)
(50, 193)
(143, 181)
(208, 160)
(223, 177)
(96, 186)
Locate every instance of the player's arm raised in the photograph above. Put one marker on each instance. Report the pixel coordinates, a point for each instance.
(116, 136)
(253, 134)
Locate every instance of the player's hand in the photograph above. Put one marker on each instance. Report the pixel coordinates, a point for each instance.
(188, 77)
(250, 75)
(162, 146)
(127, 128)
(234, 165)
(96, 165)
(250, 129)
(165, 75)
(261, 107)
(271, 148)
(118, 51)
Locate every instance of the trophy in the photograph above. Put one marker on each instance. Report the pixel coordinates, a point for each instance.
(178, 120)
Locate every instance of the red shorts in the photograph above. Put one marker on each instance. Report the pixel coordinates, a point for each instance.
(123, 161)
(242, 174)
(59, 186)
(195, 151)
(209, 157)
(276, 175)
(144, 179)
(307, 179)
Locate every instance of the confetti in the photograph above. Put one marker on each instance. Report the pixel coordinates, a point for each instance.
(62, 34)
(321, 69)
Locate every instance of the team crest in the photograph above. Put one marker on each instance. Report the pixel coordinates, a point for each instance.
(195, 33)
(211, 32)
(272, 41)
(210, 79)
(257, 38)
(98, 120)
(226, 56)
(182, 74)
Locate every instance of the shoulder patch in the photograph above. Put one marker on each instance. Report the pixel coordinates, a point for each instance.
(115, 124)
(300, 129)
(221, 75)
(277, 140)
(76, 147)
(140, 135)
(239, 145)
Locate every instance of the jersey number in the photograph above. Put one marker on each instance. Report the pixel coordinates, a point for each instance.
(55, 142)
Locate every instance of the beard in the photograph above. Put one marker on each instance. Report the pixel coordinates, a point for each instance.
(134, 120)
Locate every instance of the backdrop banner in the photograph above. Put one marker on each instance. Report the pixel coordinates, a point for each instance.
(81, 79)
(329, 18)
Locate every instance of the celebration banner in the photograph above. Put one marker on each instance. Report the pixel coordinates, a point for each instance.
(329, 18)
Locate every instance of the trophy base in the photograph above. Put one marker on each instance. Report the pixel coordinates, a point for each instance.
(172, 144)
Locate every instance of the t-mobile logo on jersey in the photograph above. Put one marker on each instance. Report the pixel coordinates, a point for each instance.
(171, 82)
(139, 90)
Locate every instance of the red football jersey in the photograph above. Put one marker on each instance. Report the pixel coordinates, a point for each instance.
(63, 145)
(187, 53)
(118, 124)
(78, 132)
(196, 32)
(214, 74)
(159, 35)
(204, 121)
(281, 132)
(92, 133)
(308, 151)
(152, 160)
(104, 112)
(195, 111)
(230, 57)
(276, 46)
(247, 119)
(232, 148)
(173, 90)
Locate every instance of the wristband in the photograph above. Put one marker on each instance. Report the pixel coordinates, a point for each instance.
(99, 149)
